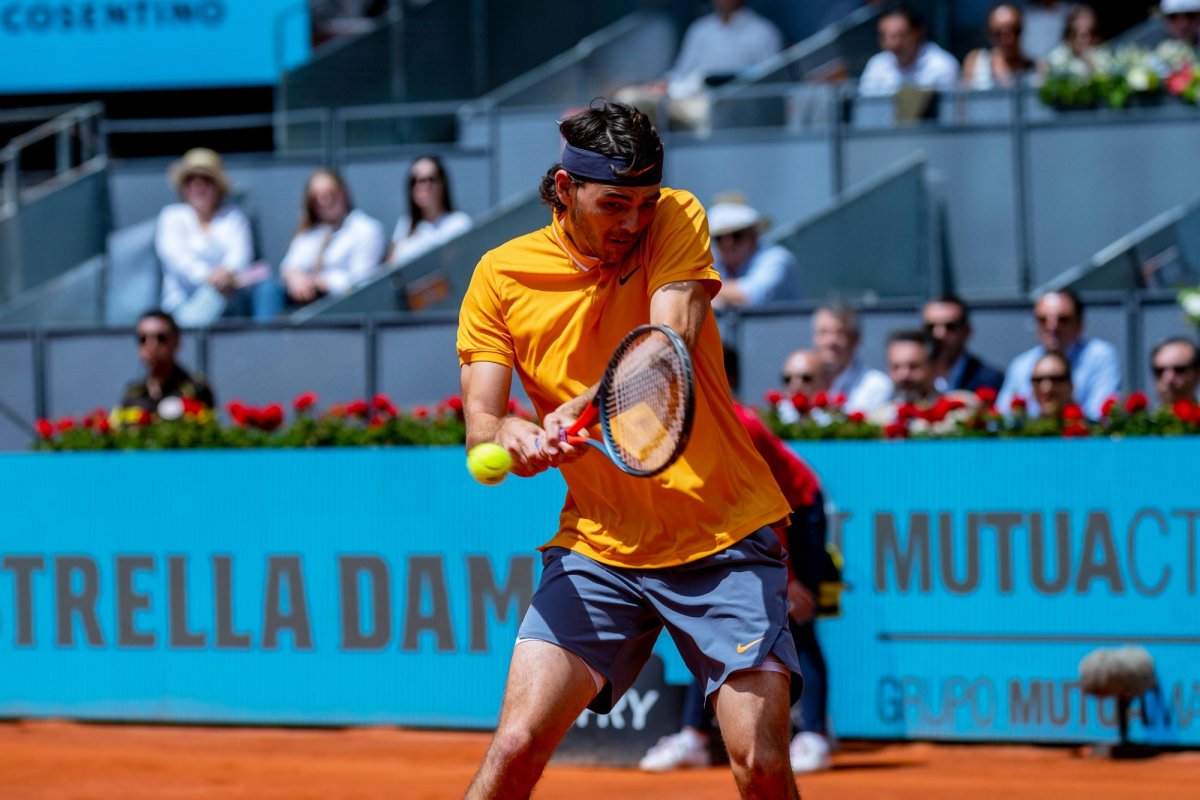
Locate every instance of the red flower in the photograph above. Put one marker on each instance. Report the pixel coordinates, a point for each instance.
(895, 430)
(383, 405)
(359, 408)
(839, 400)
(1179, 80)
(1109, 405)
(144, 418)
(192, 407)
(237, 412)
(773, 397)
(376, 422)
(103, 425)
(907, 411)
(1072, 412)
(338, 410)
(986, 395)
(270, 417)
(65, 424)
(513, 406)
(251, 416)
(1018, 404)
(800, 402)
(820, 400)
(857, 416)
(1074, 429)
(421, 412)
(454, 403)
(45, 428)
(1136, 402)
(1185, 410)
(304, 401)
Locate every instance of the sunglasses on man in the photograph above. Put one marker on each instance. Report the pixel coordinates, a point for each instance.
(161, 338)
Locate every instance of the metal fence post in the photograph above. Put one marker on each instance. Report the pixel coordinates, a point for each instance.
(1021, 205)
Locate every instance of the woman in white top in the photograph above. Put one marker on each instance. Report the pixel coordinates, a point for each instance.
(202, 243)
(1004, 63)
(431, 218)
(336, 248)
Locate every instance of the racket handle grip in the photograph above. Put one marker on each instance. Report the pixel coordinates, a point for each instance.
(575, 439)
(589, 415)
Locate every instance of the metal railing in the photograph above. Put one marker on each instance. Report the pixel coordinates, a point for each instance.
(76, 145)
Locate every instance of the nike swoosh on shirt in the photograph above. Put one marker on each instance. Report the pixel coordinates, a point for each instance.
(628, 275)
(744, 647)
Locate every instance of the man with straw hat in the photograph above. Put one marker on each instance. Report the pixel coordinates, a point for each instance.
(751, 275)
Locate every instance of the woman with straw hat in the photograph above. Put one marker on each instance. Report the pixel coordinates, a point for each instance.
(203, 243)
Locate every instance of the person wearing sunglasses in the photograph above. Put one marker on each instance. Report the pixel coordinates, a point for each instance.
(804, 374)
(1052, 385)
(750, 273)
(1004, 62)
(948, 325)
(1095, 364)
(1175, 363)
(166, 383)
(1182, 19)
(431, 219)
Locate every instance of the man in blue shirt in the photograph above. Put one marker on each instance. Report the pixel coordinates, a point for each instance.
(1095, 365)
(750, 274)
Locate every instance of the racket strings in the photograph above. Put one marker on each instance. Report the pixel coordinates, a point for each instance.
(646, 402)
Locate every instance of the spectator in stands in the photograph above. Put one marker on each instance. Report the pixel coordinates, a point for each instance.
(203, 243)
(1095, 365)
(947, 323)
(910, 367)
(167, 384)
(835, 338)
(715, 48)
(1175, 363)
(907, 59)
(1044, 21)
(431, 219)
(807, 557)
(803, 374)
(1182, 20)
(751, 275)
(1003, 63)
(1080, 38)
(336, 248)
(1053, 388)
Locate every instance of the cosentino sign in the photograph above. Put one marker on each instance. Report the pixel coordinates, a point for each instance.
(42, 18)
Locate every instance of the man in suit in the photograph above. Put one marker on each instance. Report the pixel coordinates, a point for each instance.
(948, 324)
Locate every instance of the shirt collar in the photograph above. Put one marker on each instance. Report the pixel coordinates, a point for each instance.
(581, 262)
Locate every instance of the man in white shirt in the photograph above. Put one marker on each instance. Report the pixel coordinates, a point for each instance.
(715, 47)
(1095, 364)
(907, 59)
(835, 338)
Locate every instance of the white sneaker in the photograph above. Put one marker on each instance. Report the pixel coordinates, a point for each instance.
(810, 753)
(677, 751)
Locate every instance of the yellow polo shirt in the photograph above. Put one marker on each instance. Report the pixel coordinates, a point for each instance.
(538, 305)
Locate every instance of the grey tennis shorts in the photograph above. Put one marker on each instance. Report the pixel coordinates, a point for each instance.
(726, 612)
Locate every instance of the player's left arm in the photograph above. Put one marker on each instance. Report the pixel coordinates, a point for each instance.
(682, 306)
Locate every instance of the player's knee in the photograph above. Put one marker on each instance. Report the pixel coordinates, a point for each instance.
(762, 765)
(518, 744)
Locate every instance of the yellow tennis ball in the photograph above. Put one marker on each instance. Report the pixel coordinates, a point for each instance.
(489, 463)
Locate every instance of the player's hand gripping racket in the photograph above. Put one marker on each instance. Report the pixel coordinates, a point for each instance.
(644, 403)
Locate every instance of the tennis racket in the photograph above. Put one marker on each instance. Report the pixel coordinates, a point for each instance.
(645, 402)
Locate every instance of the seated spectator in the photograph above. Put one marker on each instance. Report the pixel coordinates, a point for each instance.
(1175, 363)
(910, 368)
(716, 47)
(1080, 38)
(947, 323)
(835, 338)
(1044, 21)
(907, 59)
(166, 383)
(750, 274)
(1182, 20)
(1095, 365)
(805, 539)
(336, 248)
(431, 218)
(1003, 63)
(1053, 389)
(803, 374)
(203, 243)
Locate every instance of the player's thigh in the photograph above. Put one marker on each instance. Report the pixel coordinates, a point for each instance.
(753, 710)
(548, 688)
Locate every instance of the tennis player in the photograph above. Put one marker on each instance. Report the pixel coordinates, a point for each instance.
(689, 549)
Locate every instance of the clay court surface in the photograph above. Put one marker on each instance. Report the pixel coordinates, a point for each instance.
(69, 761)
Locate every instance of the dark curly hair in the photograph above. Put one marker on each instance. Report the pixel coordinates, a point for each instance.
(611, 129)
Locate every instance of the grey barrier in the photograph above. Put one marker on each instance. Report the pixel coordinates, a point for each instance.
(61, 371)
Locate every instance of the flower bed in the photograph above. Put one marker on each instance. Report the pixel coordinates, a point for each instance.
(1118, 78)
(379, 422)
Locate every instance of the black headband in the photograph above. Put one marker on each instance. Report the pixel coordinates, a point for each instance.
(608, 169)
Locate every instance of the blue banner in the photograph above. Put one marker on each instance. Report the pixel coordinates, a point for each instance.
(82, 45)
(385, 586)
